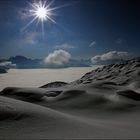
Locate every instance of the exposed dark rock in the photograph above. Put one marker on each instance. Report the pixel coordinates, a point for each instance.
(130, 94)
(2, 71)
(54, 84)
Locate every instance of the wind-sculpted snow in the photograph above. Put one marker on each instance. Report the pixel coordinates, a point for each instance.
(104, 103)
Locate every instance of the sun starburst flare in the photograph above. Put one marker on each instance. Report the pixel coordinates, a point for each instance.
(41, 12)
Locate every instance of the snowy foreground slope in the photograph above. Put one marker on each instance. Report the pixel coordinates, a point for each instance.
(104, 103)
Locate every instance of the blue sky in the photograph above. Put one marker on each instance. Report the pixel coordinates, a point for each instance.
(84, 28)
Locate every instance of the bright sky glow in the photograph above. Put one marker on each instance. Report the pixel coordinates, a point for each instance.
(41, 12)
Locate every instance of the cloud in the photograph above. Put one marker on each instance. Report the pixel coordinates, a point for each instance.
(119, 41)
(7, 64)
(93, 43)
(65, 46)
(109, 56)
(24, 40)
(58, 57)
(31, 38)
(23, 14)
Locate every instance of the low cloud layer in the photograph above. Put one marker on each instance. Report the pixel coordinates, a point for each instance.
(58, 57)
(109, 56)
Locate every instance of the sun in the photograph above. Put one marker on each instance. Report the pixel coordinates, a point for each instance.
(41, 11)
